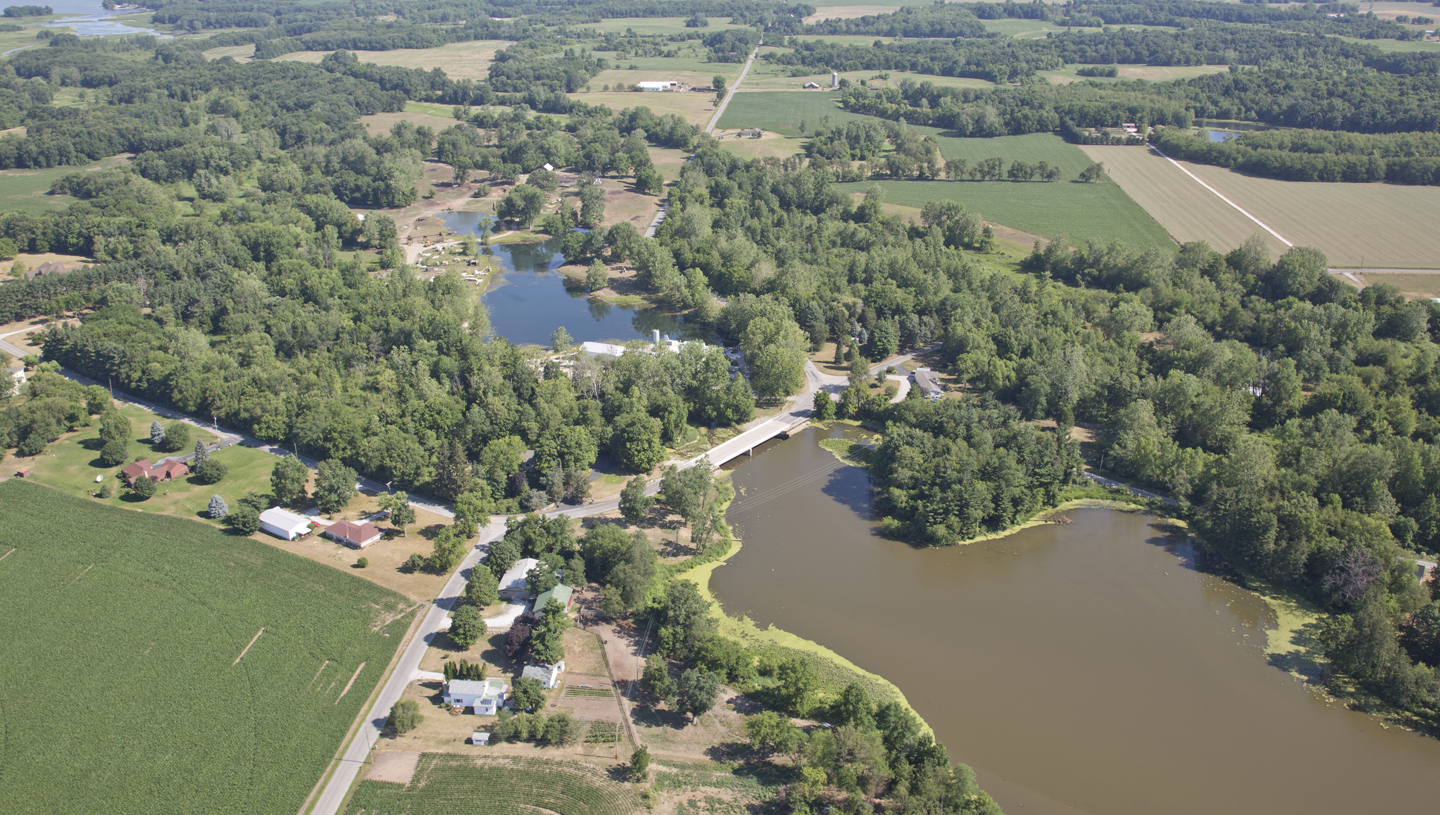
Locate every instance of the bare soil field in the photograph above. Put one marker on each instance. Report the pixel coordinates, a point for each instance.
(1188, 211)
(460, 60)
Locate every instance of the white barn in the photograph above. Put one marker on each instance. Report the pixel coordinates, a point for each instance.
(512, 584)
(284, 524)
(668, 85)
(484, 697)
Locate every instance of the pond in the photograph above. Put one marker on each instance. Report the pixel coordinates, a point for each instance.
(93, 20)
(529, 298)
(1092, 667)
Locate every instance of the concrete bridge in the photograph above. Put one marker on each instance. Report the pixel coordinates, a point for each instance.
(780, 427)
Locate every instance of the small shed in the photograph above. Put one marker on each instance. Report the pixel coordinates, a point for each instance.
(22, 473)
(284, 524)
(512, 584)
(479, 738)
(548, 675)
(353, 535)
(564, 595)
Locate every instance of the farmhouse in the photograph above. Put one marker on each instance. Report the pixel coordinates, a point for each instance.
(483, 696)
(512, 584)
(163, 470)
(547, 675)
(48, 267)
(658, 86)
(284, 524)
(749, 133)
(927, 383)
(354, 535)
(560, 594)
(17, 377)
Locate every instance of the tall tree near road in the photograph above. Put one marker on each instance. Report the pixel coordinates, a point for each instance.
(287, 480)
(401, 513)
(334, 486)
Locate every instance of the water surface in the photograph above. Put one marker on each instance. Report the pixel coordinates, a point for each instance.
(1081, 668)
(529, 298)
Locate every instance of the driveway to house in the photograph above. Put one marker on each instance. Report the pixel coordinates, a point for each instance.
(720, 111)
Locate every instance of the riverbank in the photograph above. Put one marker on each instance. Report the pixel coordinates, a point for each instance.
(835, 671)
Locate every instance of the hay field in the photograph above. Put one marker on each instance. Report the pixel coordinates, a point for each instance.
(1413, 286)
(1356, 225)
(460, 60)
(695, 108)
(1153, 73)
(847, 12)
(378, 123)
(1185, 209)
(694, 78)
(764, 76)
(659, 25)
(158, 665)
(240, 53)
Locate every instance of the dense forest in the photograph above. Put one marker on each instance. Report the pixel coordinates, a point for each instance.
(1295, 422)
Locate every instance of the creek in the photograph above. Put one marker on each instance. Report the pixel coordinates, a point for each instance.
(1091, 667)
(529, 298)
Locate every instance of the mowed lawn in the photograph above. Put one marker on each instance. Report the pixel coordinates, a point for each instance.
(1355, 225)
(131, 675)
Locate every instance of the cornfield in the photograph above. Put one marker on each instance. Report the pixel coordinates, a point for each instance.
(154, 664)
(465, 785)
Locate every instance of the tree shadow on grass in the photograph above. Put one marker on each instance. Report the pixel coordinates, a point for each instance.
(92, 444)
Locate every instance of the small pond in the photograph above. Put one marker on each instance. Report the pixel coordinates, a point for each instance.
(530, 298)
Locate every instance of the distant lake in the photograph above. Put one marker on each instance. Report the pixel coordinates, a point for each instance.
(1223, 135)
(92, 19)
(529, 298)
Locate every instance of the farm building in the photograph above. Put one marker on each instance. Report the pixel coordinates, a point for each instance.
(749, 133)
(284, 524)
(484, 697)
(812, 86)
(354, 535)
(163, 470)
(668, 85)
(548, 675)
(513, 585)
(480, 738)
(560, 594)
(17, 378)
(47, 268)
(927, 383)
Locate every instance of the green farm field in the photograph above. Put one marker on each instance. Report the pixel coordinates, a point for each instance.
(460, 60)
(1152, 73)
(659, 25)
(511, 785)
(783, 111)
(29, 190)
(1084, 212)
(157, 665)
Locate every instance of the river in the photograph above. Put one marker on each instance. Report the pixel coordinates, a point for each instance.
(1092, 667)
(529, 298)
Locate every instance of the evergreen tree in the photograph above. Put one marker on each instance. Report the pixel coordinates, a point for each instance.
(218, 508)
(452, 471)
(157, 433)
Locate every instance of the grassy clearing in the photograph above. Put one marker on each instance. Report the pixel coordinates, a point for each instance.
(848, 12)
(659, 25)
(239, 53)
(1413, 286)
(457, 785)
(378, 123)
(1084, 212)
(765, 76)
(460, 60)
(1152, 73)
(696, 108)
(1025, 29)
(146, 688)
(783, 111)
(29, 190)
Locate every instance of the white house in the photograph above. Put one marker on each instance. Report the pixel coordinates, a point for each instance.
(669, 85)
(284, 524)
(927, 383)
(512, 584)
(549, 675)
(17, 378)
(484, 697)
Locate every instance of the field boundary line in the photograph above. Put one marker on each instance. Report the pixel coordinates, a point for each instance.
(1222, 197)
(349, 684)
(317, 674)
(8, 554)
(247, 647)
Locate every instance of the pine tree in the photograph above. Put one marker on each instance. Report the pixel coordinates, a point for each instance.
(452, 471)
(157, 433)
(218, 508)
(202, 455)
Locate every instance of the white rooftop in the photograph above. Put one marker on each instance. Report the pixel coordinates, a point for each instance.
(514, 578)
(283, 519)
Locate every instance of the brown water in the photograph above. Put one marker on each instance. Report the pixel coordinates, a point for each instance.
(1083, 668)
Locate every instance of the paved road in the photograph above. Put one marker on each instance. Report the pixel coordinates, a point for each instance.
(1107, 482)
(720, 111)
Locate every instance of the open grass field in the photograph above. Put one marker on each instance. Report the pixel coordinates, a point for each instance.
(1026, 29)
(1413, 286)
(377, 123)
(694, 75)
(1406, 47)
(28, 190)
(1083, 211)
(510, 785)
(1188, 211)
(240, 53)
(765, 76)
(1153, 73)
(460, 60)
(152, 664)
(848, 12)
(695, 108)
(783, 111)
(660, 25)
(768, 146)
